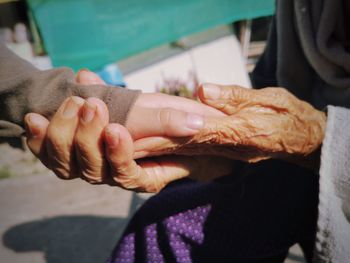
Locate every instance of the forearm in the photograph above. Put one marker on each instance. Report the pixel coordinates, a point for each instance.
(24, 89)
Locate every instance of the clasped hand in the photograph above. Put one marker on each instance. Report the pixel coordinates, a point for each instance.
(257, 125)
(172, 137)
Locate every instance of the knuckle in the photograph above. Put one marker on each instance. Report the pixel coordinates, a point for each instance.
(282, 91)
(119, 163)
(79, 142)
(287, 97)
(130, 180)
(231, 93)
(93, 171)
(235, 94)
(278, 96)
(269, 89)
(56, 140)
(62, 173)
(59, 164)
(165, 116)
(91, 178)
(126, 182)
(53, 132)
(123, 165)
(83, 148)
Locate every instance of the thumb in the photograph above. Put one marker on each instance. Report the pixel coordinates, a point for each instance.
(36, 127)
(144, 122)
(148, 175)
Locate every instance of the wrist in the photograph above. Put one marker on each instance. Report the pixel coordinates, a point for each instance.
(311, 159)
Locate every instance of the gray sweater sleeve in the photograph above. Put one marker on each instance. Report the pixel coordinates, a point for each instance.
(24, 89)
(333, 235)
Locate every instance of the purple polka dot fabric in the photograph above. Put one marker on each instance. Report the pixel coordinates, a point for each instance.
(254, 217)
(126, 251)
(181, 229)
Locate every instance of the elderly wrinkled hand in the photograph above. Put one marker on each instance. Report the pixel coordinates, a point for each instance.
(259, 124)
(78, 142)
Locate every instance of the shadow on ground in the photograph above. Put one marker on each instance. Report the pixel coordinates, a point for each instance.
(72, 239)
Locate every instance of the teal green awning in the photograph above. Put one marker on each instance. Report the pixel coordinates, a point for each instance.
(92, 33)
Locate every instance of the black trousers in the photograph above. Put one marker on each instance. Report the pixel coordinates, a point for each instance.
(254, 215)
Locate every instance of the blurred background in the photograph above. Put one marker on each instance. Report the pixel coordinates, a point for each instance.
(153, 45)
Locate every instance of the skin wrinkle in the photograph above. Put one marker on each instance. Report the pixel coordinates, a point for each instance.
(57, 162)
(130, 180)
(152, 181)
(261, 124)
(164, 118)
(58, 165)
(61, 172)
(254, 125)
(90, 170)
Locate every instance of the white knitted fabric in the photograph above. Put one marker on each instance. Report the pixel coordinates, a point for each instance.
(333, 235)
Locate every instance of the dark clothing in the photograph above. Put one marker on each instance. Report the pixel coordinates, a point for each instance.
(253, 217)
(308, 52)
(257, 216)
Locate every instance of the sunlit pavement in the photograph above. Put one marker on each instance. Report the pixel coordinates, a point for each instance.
(45, 219)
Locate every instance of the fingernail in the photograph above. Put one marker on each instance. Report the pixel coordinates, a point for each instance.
(88, 113)
(194, 121)
(33, 124)
(72, 107)
(211, 91)
(89, 76)
(112, 138)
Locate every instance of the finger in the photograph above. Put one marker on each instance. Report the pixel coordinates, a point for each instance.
(152, 174)
(233, 99)
(149, 177)
(87, 77)
(59, 139)
(227, 99)
(165, 169)
(156, 145)
(36, 128)
(119, 153)
(88, 141)
(144, 122)
(241, 138)
(197, 144)
(174, 167)
(159, 100)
